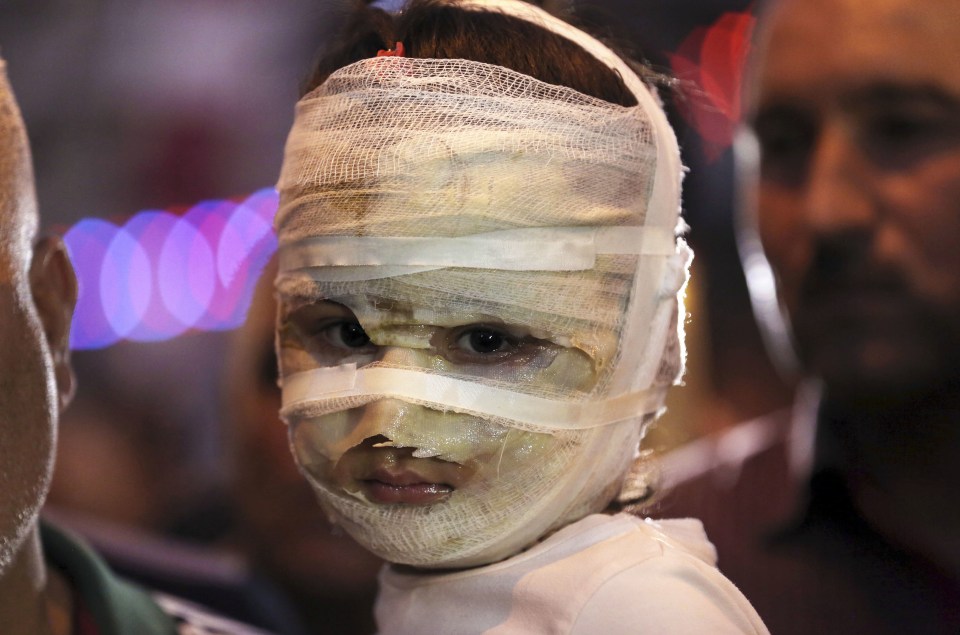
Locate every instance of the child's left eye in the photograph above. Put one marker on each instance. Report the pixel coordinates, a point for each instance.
(483, 341)
(483, 344)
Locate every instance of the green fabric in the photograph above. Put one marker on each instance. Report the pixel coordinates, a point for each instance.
(118, 607)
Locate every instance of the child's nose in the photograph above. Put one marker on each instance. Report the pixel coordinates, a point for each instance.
(403, 356)
(382, 416)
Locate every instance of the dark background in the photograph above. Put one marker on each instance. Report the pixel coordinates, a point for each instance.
(142, 104)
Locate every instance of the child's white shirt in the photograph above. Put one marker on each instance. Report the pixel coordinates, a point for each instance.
(603, 575)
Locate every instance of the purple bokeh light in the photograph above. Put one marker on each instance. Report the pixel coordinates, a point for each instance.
(125, 283)
(160, 275)
(88, 242)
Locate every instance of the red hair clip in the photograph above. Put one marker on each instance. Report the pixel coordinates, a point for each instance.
(397, 51)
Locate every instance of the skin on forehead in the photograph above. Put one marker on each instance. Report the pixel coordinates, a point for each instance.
(846, 43)
(18, 210)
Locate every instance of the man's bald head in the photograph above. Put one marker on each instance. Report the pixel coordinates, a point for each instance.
(18, 204)
(38, 291)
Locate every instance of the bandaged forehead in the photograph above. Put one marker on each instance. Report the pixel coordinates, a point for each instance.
(422, 147)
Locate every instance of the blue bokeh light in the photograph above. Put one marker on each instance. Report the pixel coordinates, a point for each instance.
(125, 283)
(160, 275)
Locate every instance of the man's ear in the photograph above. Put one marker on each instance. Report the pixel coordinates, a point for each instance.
(54, 288)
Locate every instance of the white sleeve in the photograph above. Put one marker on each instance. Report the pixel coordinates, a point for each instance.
(671, 594)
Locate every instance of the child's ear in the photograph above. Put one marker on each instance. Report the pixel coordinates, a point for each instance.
(54, 288)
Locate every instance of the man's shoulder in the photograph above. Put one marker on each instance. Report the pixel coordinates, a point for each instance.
(116, 607)
(220, 581)
(191, 619)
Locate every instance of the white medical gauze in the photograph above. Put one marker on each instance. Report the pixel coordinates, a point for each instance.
(427, 195)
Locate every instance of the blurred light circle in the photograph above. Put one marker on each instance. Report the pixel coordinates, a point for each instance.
(125, 283)
(162, 274)
(150, 229)
(88, 242)
(245, 229)
(185, 274)
(246, 244)
(210, 217)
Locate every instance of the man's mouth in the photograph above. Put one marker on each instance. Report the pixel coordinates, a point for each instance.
(859, 308)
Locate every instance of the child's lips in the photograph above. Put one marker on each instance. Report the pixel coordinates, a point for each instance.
(403, 486)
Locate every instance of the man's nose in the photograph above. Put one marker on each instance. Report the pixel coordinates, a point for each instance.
(838, 197)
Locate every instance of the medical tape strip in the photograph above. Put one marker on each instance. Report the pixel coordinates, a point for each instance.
(527, 249)
(461, 395)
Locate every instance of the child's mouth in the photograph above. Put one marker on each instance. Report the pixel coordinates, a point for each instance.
(413, 494)
(388, 486)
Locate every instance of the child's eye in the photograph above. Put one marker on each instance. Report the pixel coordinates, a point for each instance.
(328, 331)
(483, 341)
(484, 344)
(346, 334)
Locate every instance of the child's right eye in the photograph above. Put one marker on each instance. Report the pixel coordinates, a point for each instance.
(345, 334)
(326, 329)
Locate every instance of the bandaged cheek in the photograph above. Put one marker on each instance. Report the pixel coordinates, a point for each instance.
(488, 448)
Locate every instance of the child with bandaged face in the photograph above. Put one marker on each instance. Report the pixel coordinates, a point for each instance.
(479, 279)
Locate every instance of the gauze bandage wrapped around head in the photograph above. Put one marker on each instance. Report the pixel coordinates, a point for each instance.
(478, 280)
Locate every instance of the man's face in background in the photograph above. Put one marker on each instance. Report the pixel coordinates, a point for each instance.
(37, 293)
(856, 107)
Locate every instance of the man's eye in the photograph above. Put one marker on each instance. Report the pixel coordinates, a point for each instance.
(784, 137)
(346, 334)
(897, 127)
(903, 135)
(785, 141)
